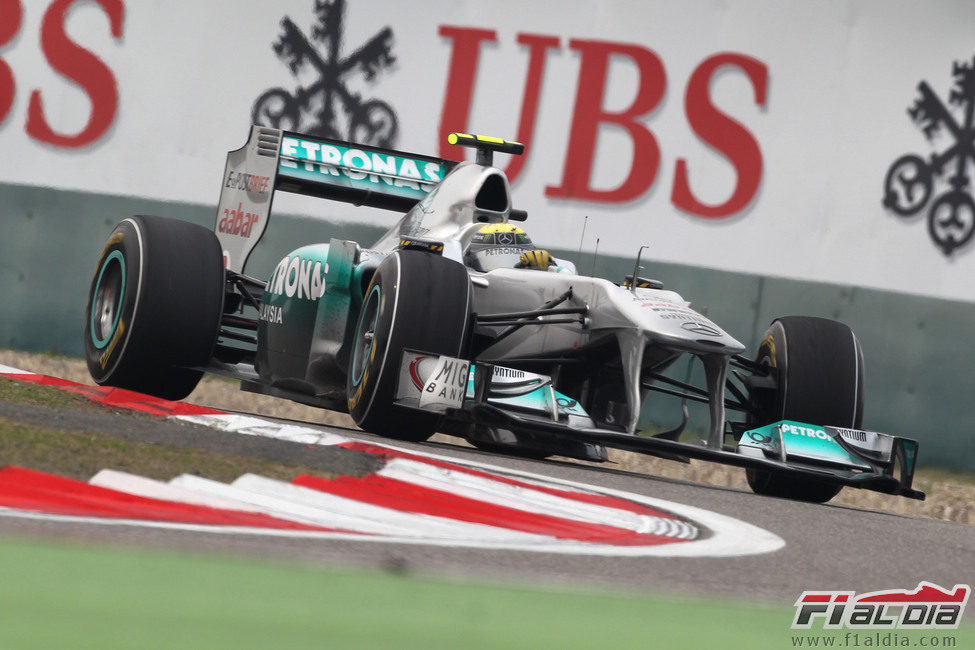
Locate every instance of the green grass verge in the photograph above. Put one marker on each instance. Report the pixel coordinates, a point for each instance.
(82, 454)
(21, 392)
(68, 597)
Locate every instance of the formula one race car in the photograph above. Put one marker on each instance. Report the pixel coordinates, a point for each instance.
(455, 322)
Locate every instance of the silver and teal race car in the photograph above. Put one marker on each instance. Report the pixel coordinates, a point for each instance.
(454, 321)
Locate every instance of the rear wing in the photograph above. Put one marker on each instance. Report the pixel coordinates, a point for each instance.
(331, 169)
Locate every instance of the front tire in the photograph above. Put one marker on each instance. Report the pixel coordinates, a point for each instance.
(818, 369)
(154, 306)
(415, 300)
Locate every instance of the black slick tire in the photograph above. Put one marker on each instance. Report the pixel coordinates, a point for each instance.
(415, 300)
(818, 369)
(154, 306)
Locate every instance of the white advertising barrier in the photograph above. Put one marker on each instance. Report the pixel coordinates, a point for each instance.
(748, 136)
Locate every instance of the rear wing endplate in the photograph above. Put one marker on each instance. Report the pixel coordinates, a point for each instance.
(331, 169)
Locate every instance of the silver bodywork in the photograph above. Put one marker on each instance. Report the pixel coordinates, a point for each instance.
(651, 327)
(639, 319)
(556, 318)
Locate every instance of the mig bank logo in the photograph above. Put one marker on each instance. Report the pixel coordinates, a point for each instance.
(912, 179)
(326, 106)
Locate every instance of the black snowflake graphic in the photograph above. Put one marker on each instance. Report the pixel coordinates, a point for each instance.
(312, 109)
(911, 179)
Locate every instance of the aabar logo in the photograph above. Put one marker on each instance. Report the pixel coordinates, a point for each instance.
(328, 108)
(912, 179)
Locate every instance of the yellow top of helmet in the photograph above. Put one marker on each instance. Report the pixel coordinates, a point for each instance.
(501, 227)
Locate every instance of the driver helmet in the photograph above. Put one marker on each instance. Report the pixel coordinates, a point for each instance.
(497, 246)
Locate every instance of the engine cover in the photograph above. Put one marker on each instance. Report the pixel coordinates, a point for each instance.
(289, 309)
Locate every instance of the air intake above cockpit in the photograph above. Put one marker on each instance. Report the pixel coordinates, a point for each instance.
(493, 194)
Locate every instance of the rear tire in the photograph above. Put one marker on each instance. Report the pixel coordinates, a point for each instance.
(154, 306)
(415, 300)
(818, 367)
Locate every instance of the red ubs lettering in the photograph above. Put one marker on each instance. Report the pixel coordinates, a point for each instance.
(712, 126)
(70, 60)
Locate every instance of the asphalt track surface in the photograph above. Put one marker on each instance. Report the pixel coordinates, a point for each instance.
(827, 547)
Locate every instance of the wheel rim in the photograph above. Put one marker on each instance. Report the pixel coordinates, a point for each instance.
(106, 304)
(365, 336)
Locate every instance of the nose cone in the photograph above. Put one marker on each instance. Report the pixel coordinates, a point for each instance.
(667, 319)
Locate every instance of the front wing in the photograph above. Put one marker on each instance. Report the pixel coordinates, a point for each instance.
(526, 406)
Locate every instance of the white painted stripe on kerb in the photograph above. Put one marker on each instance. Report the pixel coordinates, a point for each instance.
(337, 512)
(152, 489)
(270, 505)
(7, 370)
(368, 517)
(254, 426)
(480, 488)
(303, 505)
(558, 547)
(730, 537)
